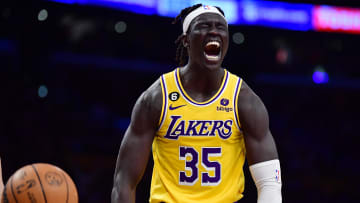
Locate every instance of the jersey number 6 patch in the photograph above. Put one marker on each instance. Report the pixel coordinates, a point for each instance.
(192, 165)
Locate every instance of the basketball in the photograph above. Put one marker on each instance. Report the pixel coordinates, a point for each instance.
(40, 183)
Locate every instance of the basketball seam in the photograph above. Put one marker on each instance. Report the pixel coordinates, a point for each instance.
(12, 189)
(42, 189)
(67, 188)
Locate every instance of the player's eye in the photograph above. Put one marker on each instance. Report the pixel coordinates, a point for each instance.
(203, 25)
(221, 26)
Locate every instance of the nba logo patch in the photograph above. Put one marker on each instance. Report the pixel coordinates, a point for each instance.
(206, 7)
(277, 175)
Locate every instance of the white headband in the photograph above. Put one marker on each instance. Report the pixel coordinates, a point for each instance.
(195, 13)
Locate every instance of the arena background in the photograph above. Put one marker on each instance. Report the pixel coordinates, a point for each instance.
(70, 75)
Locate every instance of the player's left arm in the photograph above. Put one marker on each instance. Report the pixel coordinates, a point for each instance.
(260, 146)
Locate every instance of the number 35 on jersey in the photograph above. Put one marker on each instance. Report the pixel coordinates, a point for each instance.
(192, 158)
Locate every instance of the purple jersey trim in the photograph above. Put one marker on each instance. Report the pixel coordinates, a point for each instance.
(165, 104)
(196, 103)
(235, 103)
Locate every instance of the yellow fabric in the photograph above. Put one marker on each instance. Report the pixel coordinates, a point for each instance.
(208, 130)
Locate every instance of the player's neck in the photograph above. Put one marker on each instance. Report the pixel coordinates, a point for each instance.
(201, 80)
(202, 71)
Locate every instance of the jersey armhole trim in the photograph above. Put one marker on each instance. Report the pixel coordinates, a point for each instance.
(164, 101)
(236, 96)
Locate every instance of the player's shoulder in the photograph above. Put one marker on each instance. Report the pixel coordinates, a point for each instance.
(153, 95)
(247, 98)
(150, 100)
(148, 105)
(245, 90)
(246, 94)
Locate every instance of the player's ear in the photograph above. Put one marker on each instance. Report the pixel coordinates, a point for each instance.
(185, 40)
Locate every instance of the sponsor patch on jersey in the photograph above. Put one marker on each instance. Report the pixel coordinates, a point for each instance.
(223, 105)
(224, 102)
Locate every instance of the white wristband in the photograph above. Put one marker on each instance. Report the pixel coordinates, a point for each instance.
(267, 177)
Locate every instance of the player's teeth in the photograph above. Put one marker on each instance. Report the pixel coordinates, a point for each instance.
(212, 58)
(213, 43)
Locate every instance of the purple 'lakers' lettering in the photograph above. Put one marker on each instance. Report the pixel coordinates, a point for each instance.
(204, 128)
(217, 126)
(171, 126)
(192, 128)
(227, 125)
(179, 130)
(180, 127)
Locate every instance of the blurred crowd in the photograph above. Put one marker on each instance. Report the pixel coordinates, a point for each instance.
(89, 84)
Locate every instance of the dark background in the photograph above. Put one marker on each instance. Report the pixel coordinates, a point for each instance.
(94, 76)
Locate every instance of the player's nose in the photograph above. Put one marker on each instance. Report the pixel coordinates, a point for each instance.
(213, 29)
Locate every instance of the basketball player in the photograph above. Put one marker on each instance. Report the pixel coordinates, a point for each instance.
(201, 122)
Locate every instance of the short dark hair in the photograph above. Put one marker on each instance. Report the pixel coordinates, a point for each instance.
(181, 52)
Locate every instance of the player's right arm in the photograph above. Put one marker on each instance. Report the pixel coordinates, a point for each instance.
(136, 145)
(260, 146)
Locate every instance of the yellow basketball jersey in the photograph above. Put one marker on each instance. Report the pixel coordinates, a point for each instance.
(199, 148)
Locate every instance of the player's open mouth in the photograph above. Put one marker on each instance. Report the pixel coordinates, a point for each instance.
(212, 51)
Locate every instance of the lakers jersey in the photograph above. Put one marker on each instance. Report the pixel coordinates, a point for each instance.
(199, 148)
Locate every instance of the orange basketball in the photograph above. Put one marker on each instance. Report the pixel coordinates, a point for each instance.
(40, 183)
